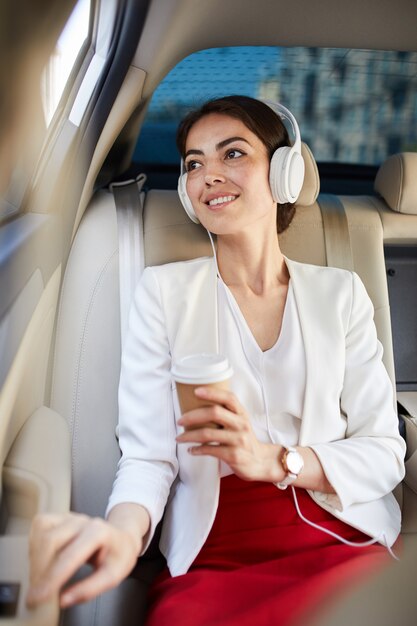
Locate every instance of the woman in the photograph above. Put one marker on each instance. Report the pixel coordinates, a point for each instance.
(311, 405)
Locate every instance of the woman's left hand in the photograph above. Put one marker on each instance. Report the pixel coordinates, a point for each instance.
(233, 440)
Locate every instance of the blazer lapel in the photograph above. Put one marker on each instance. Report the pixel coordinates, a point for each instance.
(320, 304)
(303, 301)
(197, 333)
(198, 328)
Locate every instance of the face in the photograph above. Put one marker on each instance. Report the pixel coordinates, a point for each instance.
(228, 170)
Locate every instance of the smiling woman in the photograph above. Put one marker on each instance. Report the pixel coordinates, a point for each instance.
(291, 416)
(261, 297)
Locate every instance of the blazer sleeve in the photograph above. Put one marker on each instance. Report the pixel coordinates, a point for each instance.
(369, 462)
(148, 464)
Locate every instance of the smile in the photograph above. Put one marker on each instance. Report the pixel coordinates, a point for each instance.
(221, 200)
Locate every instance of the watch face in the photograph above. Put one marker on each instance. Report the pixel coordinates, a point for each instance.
(294, 462)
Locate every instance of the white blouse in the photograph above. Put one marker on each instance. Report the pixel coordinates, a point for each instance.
(270, 385)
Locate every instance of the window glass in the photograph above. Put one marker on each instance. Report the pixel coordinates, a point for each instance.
(35, 99)
(353, 106)
(64, 57)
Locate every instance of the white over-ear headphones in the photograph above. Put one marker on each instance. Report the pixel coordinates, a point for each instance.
(286, 170)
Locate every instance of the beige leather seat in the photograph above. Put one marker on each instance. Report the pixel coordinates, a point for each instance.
(396, 183)
(87, 351)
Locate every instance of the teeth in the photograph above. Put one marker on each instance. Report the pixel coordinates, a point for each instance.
(221, 200)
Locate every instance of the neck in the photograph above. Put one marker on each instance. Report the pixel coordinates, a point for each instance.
(249, 263)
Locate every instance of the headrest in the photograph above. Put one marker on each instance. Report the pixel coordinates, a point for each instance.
(396, 182)
(311, 185)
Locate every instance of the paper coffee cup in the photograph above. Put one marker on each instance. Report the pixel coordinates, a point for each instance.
(211, 370)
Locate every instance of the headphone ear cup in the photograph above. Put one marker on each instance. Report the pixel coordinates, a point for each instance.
(286, 174)
(185, 200)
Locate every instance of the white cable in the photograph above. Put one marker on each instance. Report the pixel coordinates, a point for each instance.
(353, 544)
(388, 547)
(214, 251)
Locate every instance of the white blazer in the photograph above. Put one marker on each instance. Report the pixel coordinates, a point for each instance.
(348, 416)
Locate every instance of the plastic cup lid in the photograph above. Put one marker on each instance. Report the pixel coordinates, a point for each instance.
(201, 369)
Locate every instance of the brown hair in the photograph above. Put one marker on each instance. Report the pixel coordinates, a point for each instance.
(260, 119)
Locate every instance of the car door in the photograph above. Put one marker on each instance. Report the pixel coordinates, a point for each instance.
(41, 196)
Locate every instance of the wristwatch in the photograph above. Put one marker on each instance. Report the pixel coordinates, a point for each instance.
(293, 463)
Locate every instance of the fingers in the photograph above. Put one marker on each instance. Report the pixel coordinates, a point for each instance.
(220, 436)
(96, 583)
(220, 396)
(225, 412)
(66, 561)
(94, 538)
(48, 535)
(249, 463)
(47, 540)
(245, 462)
(113, 562)
(234, 442)
(223, 409)
(215, 415)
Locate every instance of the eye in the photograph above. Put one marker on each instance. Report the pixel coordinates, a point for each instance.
(192, 165)
(234, 153)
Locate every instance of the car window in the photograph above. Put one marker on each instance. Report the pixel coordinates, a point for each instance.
(64, 57)
(353, 106)
(37, 105)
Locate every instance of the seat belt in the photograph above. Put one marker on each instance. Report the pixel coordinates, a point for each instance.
(336, 232)
(128, 198)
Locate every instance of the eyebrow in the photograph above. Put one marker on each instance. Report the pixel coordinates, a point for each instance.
(219, 145)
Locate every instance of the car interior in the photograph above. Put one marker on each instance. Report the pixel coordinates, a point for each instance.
(87, 218)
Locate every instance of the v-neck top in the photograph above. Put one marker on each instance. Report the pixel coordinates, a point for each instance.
(270, 384)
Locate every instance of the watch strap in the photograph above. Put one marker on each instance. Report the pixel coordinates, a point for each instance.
(288, 480)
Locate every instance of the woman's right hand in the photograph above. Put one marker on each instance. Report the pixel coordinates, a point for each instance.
(60, 544)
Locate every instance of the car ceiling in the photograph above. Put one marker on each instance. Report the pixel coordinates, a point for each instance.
(176, 28)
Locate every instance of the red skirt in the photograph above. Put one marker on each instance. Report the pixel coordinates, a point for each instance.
(261, 564)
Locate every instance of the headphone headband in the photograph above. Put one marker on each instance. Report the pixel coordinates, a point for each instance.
(285, 114)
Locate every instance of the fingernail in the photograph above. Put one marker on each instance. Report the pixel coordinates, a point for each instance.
(200, 391)
(67, 599)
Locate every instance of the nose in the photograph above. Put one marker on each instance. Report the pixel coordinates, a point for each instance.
(211, 178)
(213, 172)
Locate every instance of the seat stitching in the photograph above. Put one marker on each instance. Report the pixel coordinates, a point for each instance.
(81, 350)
